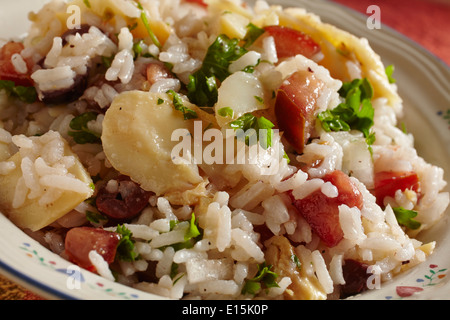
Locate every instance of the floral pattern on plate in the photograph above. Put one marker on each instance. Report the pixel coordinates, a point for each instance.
(434, 277)
(75, 276)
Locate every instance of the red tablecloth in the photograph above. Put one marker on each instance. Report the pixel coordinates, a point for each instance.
(425, 21)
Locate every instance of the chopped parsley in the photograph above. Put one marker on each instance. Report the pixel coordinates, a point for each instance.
(178, 104)
(296, 261)
(356, 113)
(25, 94)
(405, 218)
(174, 270)
(125, 248)
(261, 126)
(259, 100)
(226, 112)
(95, 217)
(253, 33)
(138, 50)
(80, 131)
(263, 279)
(193, 233)
(203, 84)
(144, 20)
(87, 3)
(107, 61)
(389, 72)
(133, 26)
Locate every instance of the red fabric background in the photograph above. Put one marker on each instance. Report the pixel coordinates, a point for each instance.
(427, 22)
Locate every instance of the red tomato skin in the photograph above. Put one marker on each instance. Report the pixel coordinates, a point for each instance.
(199, 2)
(290, 42)
(295, 107)
(7, 70)
(81, 240)
(322, 212)
(388, 182)
(9, 49)
(290, 120)
(348, 192)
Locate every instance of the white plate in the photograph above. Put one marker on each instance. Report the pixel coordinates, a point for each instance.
(424, 84)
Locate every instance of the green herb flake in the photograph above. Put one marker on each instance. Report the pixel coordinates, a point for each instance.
(95, 217)
(356, 113)
(259, 99)
(144, 20)
(226, 112)
(87, 3)
(137, 48)
(179, 105)
(80, 132)
(262, 128)
(174, 270)
(192, 235)
(176, 280)
(296, 261)
(133, 26)
(125, 248)
(253, 33)
(285, 156)
(403, 127)
(25, 94)
(389, 72)
(405, 218)
(263, 279)
(202, 86)
(107, 61)
(342, 49)
(193, 231)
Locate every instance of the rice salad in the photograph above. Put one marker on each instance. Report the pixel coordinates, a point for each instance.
(211, 150)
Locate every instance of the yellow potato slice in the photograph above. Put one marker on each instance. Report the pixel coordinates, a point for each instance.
(233, 25)
(303, 287)
(31, 214)
(137, 140)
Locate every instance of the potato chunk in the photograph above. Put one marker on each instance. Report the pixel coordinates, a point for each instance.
(280, 254)
(137, 140)
(243, 93)
(47, 182)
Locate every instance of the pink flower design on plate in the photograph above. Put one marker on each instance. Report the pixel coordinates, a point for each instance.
(407, 291)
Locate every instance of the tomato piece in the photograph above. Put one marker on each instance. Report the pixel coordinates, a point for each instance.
(388, 182)
(322, 212)
(200, 2)
(290, 42)
(80, 241)
(7, 70)
(10, 48)
(295, 107)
